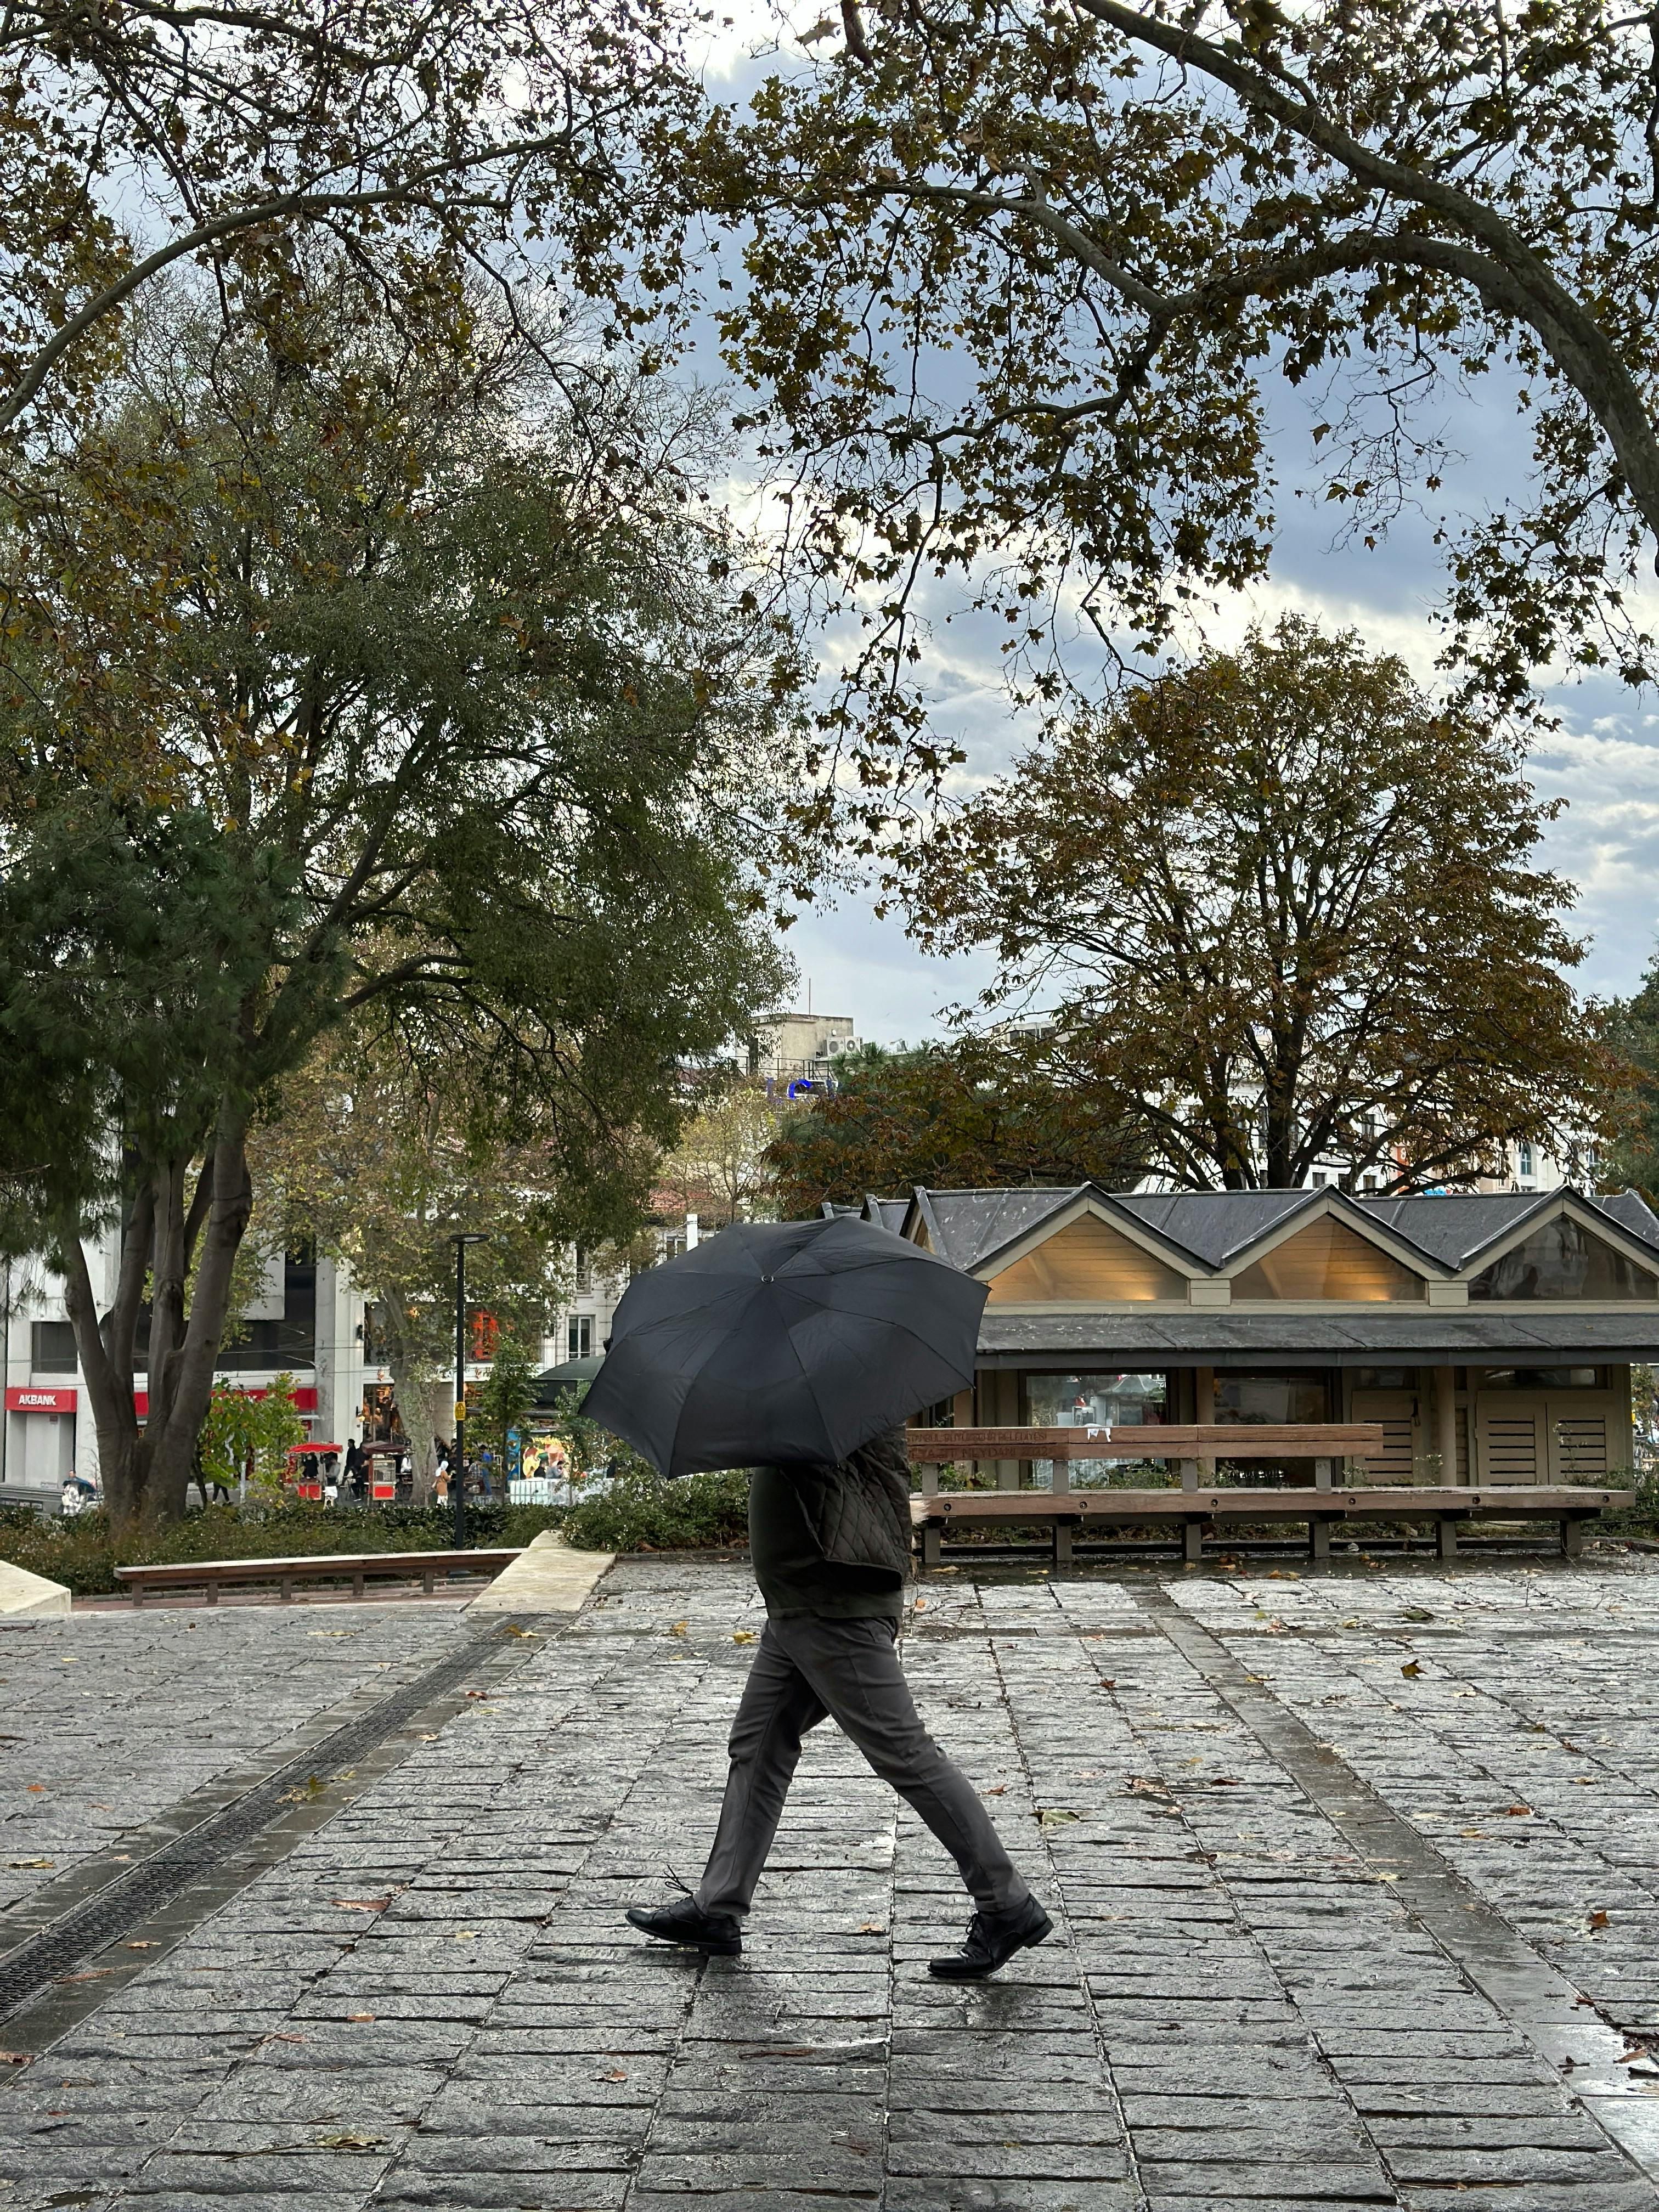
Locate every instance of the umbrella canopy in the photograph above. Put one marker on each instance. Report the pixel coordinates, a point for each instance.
(781, 1343)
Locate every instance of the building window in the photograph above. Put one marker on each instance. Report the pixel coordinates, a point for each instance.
(584, 1272)
(1326, 1260)
(1523, 1160)
(1250, 1400)
(1096, 1401)
(51, 1347)
(1562, 1261)
(580, 1337)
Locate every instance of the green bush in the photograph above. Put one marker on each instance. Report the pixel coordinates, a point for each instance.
(641, 1512)
(80, 1551)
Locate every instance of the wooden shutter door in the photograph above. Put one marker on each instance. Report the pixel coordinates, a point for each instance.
(1394, 1409)
(1512, 1426)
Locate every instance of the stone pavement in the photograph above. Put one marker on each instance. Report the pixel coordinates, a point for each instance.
(1355, 1878)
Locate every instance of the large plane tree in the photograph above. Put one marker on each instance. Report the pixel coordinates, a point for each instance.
(402, 684)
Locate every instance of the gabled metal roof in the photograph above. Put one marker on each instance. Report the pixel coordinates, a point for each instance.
(1216, 1229)
(967, 1226)
(1215, 1226)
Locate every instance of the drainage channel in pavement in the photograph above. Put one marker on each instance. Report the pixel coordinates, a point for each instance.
(221, 1838)
(1548, 2009)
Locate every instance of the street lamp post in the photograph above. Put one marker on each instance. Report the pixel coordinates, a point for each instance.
(458, 1455)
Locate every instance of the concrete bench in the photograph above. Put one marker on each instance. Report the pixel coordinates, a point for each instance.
(1198, 1505)
(358, 1568)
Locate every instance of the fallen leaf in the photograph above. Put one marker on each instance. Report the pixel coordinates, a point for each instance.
(679, 1627)
(138, 1947)
(922, 1604)
(1411, 1670)
(16, 2058)
(359, 2015)
(742, 1636)
(871, 1928)
(1519, 1811)
(360, 1904)
(997, 1792)
(37, 1789)
(351, 2142)
(328, 1632)
(615, 2074)
(1416, 1613)
(1054, 1816)
(20, 1866)
(528, 1634)
(1597, 1920)
(1223, 1782)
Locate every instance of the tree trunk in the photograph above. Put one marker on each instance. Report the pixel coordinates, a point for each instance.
(147, 1471)
(411, 1379)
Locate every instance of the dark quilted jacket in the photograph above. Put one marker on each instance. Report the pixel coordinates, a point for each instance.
(859, 1511)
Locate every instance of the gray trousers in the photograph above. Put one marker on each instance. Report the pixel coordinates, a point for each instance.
(807, 1669)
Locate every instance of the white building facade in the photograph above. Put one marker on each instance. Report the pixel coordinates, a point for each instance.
(307, 1323)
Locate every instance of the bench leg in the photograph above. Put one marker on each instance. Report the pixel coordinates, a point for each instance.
(1445, 1537)
(930, 1536)
(357, 1582)
(1192, 1543)
(212, 1597)
(426, 1581)
(288, 1590)
(1572, 1539)
(1319, 1539)
(1062, 1543)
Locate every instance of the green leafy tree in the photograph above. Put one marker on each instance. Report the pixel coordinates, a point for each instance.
(971, 1114)
(505, 1399)
(721, 1168)
(245, 1438)
(396, 703)
(1286, 910)
(382, 1158)
(1022, 286)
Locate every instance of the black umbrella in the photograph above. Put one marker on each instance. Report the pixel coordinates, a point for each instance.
(779, 1343)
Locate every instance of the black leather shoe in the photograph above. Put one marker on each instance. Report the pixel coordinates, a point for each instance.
(687, 1923)
(993, 1939)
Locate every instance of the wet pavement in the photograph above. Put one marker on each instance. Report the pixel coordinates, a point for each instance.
(1356, 1879)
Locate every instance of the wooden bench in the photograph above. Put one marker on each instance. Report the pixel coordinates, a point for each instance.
(358, 1568)
(1199, 1503)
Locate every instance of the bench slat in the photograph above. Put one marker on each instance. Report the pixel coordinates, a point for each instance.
(336, 1565)
(1200, 1440)
(1360, 1502)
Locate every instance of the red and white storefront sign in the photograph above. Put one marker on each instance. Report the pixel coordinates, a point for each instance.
(26, 1400)
(305, 1402)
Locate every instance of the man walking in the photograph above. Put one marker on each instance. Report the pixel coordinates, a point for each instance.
(830, 1548)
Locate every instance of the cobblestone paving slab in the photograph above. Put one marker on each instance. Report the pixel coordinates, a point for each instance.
(108, 1719)
(432, 2001)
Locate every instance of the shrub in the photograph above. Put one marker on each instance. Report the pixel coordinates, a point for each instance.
(641, 1512)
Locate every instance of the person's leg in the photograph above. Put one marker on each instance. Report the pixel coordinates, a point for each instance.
(853, 1666)
(777, 1708)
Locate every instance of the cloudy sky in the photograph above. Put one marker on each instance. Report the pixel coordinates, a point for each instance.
(1603, 760)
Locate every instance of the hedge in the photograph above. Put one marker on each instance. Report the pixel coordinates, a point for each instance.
(79, 1550)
